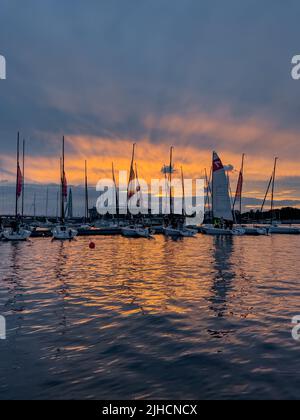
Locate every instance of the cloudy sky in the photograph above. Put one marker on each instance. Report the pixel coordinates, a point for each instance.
(199, 74)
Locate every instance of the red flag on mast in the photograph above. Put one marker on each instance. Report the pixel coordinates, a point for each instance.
(239, 188)
(19, 182)
(65, 187)
(132, 176)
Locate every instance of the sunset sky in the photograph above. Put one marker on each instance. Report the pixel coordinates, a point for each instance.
(196, 74)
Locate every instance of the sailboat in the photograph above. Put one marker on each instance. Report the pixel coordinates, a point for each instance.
(171, 229)
(16, 232)
(86, 225)
(134, 231)
(186, 232)
(249, 230)
(275, 228)
(62, 231)
(221, 203)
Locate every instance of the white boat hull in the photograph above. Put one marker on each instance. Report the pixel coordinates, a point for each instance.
(64, 234)
(21, 235)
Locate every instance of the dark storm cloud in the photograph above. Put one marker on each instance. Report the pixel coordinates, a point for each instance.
(101, 67)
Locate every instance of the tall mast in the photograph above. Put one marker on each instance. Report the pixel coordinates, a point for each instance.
(34, 205)
(17, 182)
(207, 200)
(116, 189)
(86, 194)
(212, 189)
(23, 179)
(242, 177)
(183, 194)
(239, 189)
(131, 176)
(133, 156)
(267, 193)
(57, 204)
(230, 196)
(273, 189)
(170, 179)
(47, 201)
(138, 188)
(62, 213)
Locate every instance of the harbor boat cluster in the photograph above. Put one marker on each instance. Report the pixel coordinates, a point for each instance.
(221, 216)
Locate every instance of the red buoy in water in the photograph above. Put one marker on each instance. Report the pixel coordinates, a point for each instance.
(92, 245)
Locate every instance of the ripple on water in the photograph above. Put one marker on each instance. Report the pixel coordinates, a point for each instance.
(203, 318)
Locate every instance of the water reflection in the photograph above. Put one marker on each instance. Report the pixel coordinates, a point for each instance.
(172, 319)
(224, 274)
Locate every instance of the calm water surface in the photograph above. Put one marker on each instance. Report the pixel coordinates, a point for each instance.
(198, 318)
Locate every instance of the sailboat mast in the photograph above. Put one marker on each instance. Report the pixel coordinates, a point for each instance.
(207, 200)
(116, 189)
(183, 193)
(47, 200)
(17, 182)
(170, 179)
(212, 189)
(62, 214)
(86, 194)
(273, 189)
(34, 205)
(266, 195)
(131, 177)
(242, 179)
(231, 197)
(23, 179)
(57, 204)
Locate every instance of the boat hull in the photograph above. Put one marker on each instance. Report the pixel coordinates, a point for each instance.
(21, 235)
(172, 233)
(136, 233)
(252, 231)
(282, 230)
(223, 232)
(64, 235)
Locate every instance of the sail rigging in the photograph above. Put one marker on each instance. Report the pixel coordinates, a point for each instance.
(239, 190)
(19, 179)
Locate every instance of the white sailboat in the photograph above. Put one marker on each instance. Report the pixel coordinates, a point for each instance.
(63, 232)
(249, 230)
(17, 232)
(133, 231)
(221, 203)
(276, 228)
(174, 228)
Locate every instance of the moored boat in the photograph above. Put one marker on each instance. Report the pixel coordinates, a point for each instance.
(221, 203)
(172, 232)
(136, 232)
(255, 231)
(222, 231)
(16, 234)
(64, 232)
(283, 230)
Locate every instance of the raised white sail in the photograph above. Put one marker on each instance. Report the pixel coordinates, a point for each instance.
(220, 194)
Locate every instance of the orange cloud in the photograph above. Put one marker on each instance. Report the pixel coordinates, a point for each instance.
(233, 135)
